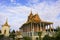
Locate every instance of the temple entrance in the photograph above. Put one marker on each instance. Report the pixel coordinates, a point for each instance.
(4, 31)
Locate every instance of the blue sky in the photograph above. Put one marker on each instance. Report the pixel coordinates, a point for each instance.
(17, 11)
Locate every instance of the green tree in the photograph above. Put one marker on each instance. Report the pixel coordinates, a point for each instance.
(26, 38)
(47, 37)
(58, 28)
(57, 33)
(58, 36)
(1, 36)
(12, 34)
(39, 34)
(0, 31)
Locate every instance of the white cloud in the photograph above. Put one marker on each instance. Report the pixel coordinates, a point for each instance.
(33, 1)
(12, 0)
(49, 12)
(18, 15)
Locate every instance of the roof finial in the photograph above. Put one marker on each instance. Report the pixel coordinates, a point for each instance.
(6, 20)
(31, 12)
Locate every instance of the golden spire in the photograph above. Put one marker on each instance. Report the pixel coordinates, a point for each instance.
(6, 23)
(31, 14)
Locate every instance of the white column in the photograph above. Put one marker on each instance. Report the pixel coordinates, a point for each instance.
(31, 27)
(37, 27)
(29, 30)
(43, 26)
(32, 30)
(40, 27)
(26, 30)
(47, 28)
(52, 28)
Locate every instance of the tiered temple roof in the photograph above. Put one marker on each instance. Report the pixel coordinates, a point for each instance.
(36, 19)
(33, 18)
